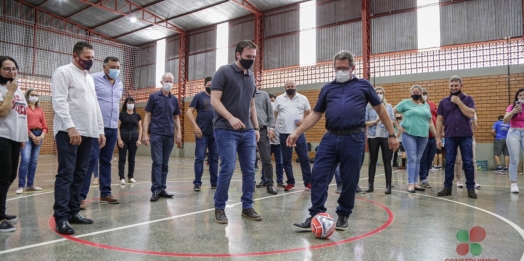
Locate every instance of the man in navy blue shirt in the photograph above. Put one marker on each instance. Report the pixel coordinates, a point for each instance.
(204, 137)
(344, 102)
(160, 121)
(500, 132)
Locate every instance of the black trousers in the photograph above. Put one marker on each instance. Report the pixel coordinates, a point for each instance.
(374, 144)
(129, 138)
(9, 158)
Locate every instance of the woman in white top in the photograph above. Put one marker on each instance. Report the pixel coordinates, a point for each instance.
(13, 133)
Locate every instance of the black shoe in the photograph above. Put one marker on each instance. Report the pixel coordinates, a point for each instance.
(388, 189)
(220, 216)
(306, 226)
(6, 227)
(64, 228)
(411, 190)
(444, 192)
(420, 189)
(472, 194)
(196, 188)
(359, 190)
(10, 218)
(370, 188)
(271, 190)
(154, 197)
(251, 214)
(165, 194)
(342, 223)
(261, 184)
(78, 219)
(281, 184)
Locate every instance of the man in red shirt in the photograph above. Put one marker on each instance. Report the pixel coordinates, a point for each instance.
(431, 147)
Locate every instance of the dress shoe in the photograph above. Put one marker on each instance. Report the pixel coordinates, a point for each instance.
(420, 189)
(251, 214)
(444, 192)
(165, 194)
(154, 197)
(306, 226)
(220, 216)
(271, 190)
(78, 219)
(472, 194)
(370, 188)
(342, 223)
(64, 228)
(261, 184)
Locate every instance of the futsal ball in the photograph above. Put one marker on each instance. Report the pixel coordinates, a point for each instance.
(323, 225)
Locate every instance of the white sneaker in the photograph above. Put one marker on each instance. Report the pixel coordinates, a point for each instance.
(33, 188)
(131, 180)
(459, 184)
(20, 191)
(514, 188)
(122, 182)
(477, 185)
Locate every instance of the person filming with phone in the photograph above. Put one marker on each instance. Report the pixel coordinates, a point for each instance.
(514, 140)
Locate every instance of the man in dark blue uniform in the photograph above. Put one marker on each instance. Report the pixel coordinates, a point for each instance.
(344, 101)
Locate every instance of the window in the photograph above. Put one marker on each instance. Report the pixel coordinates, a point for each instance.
(222, 44)
(428, 24)
(308, 34)
(160, 60)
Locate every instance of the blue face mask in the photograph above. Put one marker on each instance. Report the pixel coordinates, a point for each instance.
(113, 73)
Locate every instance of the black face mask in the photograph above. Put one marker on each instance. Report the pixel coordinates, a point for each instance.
(456, 93)
(4, 80)
(208, 89)
(416, 97)
(246, 63)
(399, 119)
(85, 64)
(291, 91)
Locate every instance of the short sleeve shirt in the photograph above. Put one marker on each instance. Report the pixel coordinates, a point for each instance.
(290, 110)
(501, 130)
(14, 125)
(344, 104)
(457, 124)
(129, 121)
(205, 112)
(416, 117)
(163, 109)
(518, 120)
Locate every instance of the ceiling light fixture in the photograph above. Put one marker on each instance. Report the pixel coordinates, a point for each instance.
(133, 19)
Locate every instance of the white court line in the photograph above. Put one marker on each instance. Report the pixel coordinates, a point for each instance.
(509, 222)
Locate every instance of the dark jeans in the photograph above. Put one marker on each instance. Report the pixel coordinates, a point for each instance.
(466, 150)
(374, 145)
(161, 148)
(129, 138)
(29, 161)
(72, 166)
(347, 151)
(275, 150)
(264, 149)
(230, 143)
(427, 159)
(207, 142)
(106, 155)
(91, 167)
(287, 154)
(9, 153)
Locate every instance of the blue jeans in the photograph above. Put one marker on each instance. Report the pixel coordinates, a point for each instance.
(29, 161)
(161, 148)
(515, 142)
(466, 150)
(91, 167)
(207, 142)
(72, 166)
(427, 159)
(414, 147)
(275, 149)
(230, 143)
(333, 150)
(106, 155)
(287, 154)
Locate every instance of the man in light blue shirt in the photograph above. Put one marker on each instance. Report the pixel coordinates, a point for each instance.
(109, 89)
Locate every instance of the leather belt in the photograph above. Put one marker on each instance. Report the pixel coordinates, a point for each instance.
(345, 132)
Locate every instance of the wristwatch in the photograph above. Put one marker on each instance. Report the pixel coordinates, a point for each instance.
(256, 129)
(392, 135)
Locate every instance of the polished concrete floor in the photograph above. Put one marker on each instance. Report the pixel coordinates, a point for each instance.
(400, 226)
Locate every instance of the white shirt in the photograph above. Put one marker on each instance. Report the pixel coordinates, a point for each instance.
(75, 103)
(14, 125)
(290, 110)
(277, 140)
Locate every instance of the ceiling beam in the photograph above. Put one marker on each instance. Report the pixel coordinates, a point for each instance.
(134, 31)
(197, 10)
(248, 6)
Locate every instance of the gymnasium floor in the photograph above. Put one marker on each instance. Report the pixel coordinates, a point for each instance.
(400, 226)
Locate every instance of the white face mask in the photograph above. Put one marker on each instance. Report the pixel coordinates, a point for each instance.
(425, 97)
(167, 87)
(380, 96)
(33, 99)
(130, 106)
(342, 76)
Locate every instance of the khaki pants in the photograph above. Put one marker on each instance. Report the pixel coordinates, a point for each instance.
(458, 161)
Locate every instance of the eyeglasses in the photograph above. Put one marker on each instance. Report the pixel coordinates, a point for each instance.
(7, 69)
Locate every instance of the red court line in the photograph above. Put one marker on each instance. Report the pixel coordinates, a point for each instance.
(282, 251)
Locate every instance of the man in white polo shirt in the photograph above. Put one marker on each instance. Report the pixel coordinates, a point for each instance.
(290, 109)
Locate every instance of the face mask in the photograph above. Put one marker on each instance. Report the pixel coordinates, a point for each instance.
(291, 91)
(342, 76)
(246, 63)
(208, 90)
(33, 99)
(457, 93)
(85, 64)
(4, 80)
(399, 119)
(425, 97)
(113, 73)
(380, 96)
(167, 87)
(416, 97)
(130, 106)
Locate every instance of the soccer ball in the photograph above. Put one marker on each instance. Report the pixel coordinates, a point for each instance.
(323, 225)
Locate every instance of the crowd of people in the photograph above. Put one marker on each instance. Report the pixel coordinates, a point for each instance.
(235, 118)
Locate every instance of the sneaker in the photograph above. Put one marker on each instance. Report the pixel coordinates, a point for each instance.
(6, 227)
(459, 184)
(307, 187)
(506, 169)
(472, 194)
(477, 185)
(122, 182)
(251, 214)
(95, 181)
(262, 184)
(82, 205)
(439, 167)
(33, 188)
(514, 188)
(306, 226)
(20, 191)
(281, 184)
(220, 216)
(131, 180)
(499, 169)
(339, 189)
(425, 185)
(109, 200)
(289, 187)
(10, 218)
(342, 223)
(196, 188)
